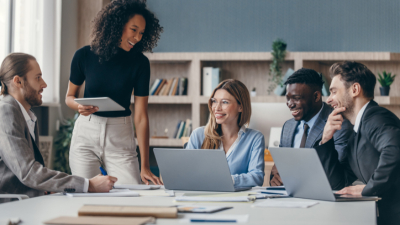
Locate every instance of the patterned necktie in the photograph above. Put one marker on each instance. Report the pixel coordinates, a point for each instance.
(304, 138)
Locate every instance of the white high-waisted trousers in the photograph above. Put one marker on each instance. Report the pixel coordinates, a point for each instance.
(111, 139)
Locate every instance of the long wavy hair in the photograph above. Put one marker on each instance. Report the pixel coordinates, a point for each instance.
(109, 23)
(212, 131)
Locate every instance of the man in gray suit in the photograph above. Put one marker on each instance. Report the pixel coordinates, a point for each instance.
(304, 99)
(22, 168)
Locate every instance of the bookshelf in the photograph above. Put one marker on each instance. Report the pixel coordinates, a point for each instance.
(252, 69)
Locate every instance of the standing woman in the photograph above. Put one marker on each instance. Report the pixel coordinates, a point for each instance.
(230, 111)
(113, 66)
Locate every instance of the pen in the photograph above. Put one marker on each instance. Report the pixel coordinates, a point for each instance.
(211, 221)
(103, 171)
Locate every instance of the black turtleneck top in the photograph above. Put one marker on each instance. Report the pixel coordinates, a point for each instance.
(115, 78)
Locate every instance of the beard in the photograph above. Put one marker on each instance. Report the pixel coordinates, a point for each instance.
(349, 104)
(32, 96)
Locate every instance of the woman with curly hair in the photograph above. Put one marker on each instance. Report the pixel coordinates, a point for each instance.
(113, 66)
(230, 111)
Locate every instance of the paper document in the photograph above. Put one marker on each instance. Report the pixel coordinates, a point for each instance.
(112, 193)
(156, 193)
(216, 218)
(137, 186)
(273, 203)
(200, 208)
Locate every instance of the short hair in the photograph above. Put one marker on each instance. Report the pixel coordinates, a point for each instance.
(306, 76)
(354, 72)
(16, 63)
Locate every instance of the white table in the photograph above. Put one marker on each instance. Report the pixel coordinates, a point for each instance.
(37, 210)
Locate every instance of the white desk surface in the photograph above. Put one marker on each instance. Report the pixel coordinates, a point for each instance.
(37, 210)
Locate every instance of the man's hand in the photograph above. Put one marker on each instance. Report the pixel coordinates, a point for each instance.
(147, 175)
(333, 124)
(101, 183)
(86, 110)
(351, 190)
(276, 179)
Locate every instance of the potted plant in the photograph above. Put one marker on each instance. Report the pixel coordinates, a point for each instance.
(386, 79)
(275, 68)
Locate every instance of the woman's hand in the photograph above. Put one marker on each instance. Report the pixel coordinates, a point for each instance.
(86, 110)
(147, 175)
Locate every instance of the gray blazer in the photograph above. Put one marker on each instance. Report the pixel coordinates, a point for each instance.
(20, 173)
(315, 135)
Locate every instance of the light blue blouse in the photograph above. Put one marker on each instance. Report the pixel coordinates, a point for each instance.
(246, 160)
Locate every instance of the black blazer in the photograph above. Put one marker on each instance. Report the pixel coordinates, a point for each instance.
(372, 156)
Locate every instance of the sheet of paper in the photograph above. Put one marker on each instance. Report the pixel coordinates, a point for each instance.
(274, 203)
(272, 192)
(100, 220)
(190, 218)
(156, 193)
(137, 186)
(112, 193)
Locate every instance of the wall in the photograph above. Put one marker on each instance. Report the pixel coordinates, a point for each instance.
(252, 25)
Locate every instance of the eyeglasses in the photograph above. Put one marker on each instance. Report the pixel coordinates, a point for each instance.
(224, 103)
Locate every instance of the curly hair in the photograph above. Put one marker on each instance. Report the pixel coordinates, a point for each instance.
(109, 23)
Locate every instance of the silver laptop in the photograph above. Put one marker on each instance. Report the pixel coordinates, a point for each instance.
(304, 177)
(195, 170)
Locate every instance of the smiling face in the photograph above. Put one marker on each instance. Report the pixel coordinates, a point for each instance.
(225, 107)
(33, 85)
(302, 101)
(133, 32)
(340, 96)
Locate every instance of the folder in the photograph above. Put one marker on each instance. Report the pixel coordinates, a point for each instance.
(134, 211)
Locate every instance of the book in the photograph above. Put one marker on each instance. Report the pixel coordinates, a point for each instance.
(159, 87)
(164, 86)
(139, 211)
(173, 87)
(181, 80)
(177, 128)
(169, 83)
(185, 85)
(154, 86)
(177, 86)
(181, 125)
(182, 130)
(101, 220)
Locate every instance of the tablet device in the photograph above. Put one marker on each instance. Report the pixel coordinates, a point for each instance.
(105, 104)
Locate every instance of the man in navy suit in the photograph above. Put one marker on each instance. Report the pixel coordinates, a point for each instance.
(304, 99)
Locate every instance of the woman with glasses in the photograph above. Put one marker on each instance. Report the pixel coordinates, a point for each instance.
(230, 111)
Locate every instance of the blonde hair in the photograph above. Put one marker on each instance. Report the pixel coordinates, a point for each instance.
(213, 130)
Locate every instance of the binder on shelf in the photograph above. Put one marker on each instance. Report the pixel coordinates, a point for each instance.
(280, 90)
(211, 79)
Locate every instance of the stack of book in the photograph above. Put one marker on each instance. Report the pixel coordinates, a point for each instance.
(171, 87)
(183, 129)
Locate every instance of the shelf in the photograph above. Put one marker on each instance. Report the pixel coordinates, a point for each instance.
(164, 142)
(254, 56)
(381, 100)
(167, 100)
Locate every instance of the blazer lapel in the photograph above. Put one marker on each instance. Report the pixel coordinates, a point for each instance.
(288, 133)
(318, 128)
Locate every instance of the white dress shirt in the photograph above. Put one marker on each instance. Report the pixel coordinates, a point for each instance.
(30, 119)
(359, 116)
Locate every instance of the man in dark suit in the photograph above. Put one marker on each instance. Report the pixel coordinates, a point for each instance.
(373, 151)
(22, 169)
(304, 99)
